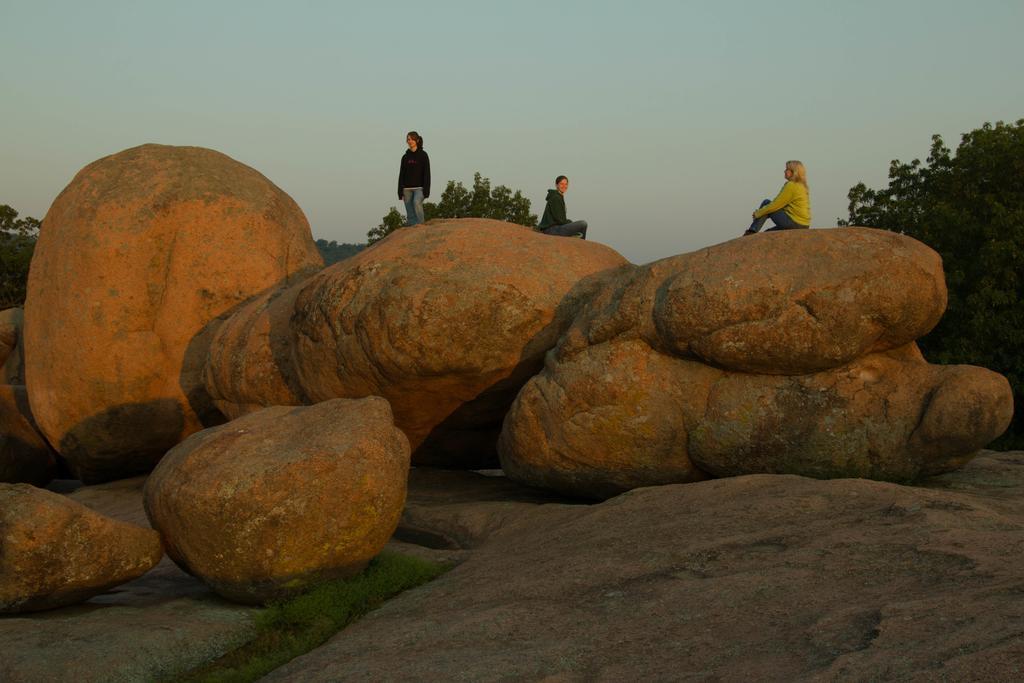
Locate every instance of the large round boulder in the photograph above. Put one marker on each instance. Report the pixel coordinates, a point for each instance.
(138, 258)
(271, 503)
(783, 303)
(55, 552)
(445, 321)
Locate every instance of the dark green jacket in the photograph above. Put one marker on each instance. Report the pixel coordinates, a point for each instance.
(554, 212)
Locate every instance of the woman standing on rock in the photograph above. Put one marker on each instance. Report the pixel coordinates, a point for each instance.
(414, 178)
(791, 208)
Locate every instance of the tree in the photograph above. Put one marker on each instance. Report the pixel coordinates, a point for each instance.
(391, 222)
(969, 208)
(17, 243)
(456, 201)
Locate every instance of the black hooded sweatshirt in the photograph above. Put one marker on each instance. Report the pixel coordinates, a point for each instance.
(414, 171)
(554, 212)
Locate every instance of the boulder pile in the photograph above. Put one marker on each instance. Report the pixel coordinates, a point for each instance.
(787, 353)
(174, 289)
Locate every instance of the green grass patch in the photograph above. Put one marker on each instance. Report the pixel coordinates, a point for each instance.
(293, 627)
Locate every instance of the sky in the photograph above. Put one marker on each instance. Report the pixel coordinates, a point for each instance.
(671, 119)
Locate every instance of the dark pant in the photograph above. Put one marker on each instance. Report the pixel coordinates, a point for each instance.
(567, 230)
(780, 218)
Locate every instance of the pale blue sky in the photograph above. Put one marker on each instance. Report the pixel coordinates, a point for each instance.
(672, 119)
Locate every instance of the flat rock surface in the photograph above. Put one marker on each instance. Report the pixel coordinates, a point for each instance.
(763, 577)
(167, 622)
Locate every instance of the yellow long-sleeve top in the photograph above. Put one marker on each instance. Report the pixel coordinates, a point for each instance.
(794, 200)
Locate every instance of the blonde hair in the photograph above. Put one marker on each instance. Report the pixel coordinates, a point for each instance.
(799, 172)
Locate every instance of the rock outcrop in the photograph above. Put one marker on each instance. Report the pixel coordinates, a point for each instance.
(55, 552)
(275, 501)
(446, 322)
(25, 457)
(139, 257)
(755, 578)
(785, 303)
(784, 353)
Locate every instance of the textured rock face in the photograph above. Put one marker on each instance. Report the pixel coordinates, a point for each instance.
(446, 322)
(878, 417)
(139, 256)
(788, 353)
(782, 303)
(274, 501)
(621, 415)
(24, 454)
(607, 420)
(55, 552)
(12, 354)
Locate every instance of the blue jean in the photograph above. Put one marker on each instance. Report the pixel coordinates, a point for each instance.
(567, 230)
(780, 218)
(413, 198)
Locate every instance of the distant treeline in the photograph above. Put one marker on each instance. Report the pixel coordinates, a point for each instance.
(332, 252)
(17, 243)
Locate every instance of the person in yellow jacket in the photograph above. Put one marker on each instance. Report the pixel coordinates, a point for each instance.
(791, 208)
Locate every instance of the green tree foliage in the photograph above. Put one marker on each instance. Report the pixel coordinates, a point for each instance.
(332, 252)
(17, 242)
(482, 201)
(969, 208)
(391, 222)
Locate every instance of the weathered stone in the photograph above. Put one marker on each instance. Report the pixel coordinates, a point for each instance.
(879, 417)
(250, 358)
(446, 322)
(460, 510)
(620, 415)
(268, 504)
(784, 303)
(55, 552)
(153, 628)
(612, 418)
(759, 578)
(140, 256)
(25, 457)
(12, 351)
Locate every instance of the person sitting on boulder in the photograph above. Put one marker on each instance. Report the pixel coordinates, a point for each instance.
(554, 222)
(791, 208)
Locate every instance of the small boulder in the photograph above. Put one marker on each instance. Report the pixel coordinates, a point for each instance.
(138, 259)
(25, 457)
(271, 503)
(56, 552)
